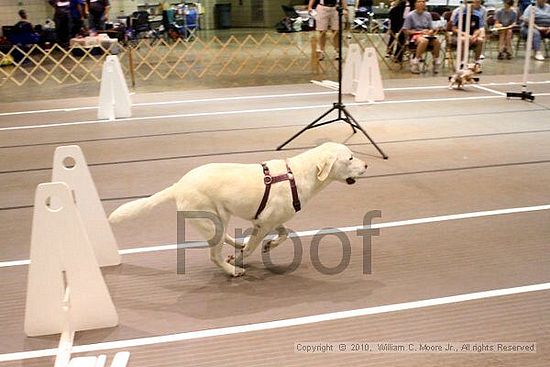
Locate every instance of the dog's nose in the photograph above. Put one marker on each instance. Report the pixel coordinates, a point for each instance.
(366, 166)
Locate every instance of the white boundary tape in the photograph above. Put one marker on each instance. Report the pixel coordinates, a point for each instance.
(401, 223)
(259, 110)
(277, 324)
(237, 98)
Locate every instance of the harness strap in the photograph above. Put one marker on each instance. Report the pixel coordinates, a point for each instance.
(269, 180)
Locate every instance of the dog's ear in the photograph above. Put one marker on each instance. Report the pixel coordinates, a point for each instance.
(325, 166)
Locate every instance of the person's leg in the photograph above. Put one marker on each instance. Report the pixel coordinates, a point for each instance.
(391, 40)
(508, 44)
(91, 22)
(76, 26)
(537, 43)
(322, 40)
(478, 49)
(436, 50)
(335, 36)
(421, 47)
(101, 22)
(537, 40)
(321, 25)
(64, 30)
(335, 26)
(400, 49)
(501, 41)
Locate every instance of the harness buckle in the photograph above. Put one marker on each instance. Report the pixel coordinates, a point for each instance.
(268, 180)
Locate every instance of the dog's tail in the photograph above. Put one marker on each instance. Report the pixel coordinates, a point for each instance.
(142, 206)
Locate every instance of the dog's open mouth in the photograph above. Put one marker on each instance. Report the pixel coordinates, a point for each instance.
(350, 180)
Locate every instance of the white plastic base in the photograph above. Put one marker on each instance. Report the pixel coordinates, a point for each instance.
(114, 96)
(369, 86)
(61, 257)
(69, 166)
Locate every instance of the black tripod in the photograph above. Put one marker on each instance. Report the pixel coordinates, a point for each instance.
(343, 114)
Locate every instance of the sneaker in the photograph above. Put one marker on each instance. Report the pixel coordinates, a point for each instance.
(437, 65)
(500, 56)
(482, 57)
(415, 67)
(538, 56)
(508, 56)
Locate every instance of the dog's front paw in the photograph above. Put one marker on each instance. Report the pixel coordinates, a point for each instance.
(233, 261)
(238, 272)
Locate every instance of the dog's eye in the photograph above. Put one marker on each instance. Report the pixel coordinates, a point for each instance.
(351, 158)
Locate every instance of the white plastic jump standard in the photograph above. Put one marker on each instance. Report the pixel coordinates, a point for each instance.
(114, 97)
(62, 257)
(369, 87)
(69, 166)
(350, 75)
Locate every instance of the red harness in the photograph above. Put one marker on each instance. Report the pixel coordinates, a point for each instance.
(268, 180)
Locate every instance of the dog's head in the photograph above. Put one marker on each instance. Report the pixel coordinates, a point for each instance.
(475, 68)
(337, 162)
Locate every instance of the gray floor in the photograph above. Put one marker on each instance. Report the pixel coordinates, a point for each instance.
(451, 152)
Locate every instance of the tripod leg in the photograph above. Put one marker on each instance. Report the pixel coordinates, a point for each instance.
(350, 117)
(310, 126)
(346, 119)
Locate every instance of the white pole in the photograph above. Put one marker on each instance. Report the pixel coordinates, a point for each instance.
(529, 45)
(459, 38)
(67, 336)
(466, 54)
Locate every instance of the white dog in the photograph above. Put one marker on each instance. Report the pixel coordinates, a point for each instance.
(227, 189)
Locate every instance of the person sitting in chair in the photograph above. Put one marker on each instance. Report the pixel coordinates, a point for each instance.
(397, 14)
(541, 28)
(24, 33)
(419, 30)
(505, 18)
(477, 27)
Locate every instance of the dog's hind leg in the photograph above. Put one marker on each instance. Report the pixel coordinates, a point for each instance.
(258, 234)
(282, 235)
(215, 231)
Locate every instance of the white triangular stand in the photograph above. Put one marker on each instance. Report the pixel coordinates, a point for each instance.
(369, 87)
(69, 166)
(114, 97)
(62, 258)
(350, 74)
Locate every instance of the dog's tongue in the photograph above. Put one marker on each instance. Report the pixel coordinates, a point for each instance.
(350, 181)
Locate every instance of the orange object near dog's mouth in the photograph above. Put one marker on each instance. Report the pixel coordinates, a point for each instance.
(350, 180)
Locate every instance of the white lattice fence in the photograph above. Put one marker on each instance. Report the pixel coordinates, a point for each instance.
(270, 55)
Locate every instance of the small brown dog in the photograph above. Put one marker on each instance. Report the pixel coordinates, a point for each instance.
(465, 76)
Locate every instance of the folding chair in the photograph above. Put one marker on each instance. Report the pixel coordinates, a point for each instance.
(191, 24)
(139, 22)
(363, 19)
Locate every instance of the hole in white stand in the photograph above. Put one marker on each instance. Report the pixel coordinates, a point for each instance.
(53, 204)
(69, 163)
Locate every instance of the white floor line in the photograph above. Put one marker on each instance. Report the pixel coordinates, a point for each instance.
(237, 112)
(401, 223)
(14, 113)
(278, 324)
(489, 90)
(237, 98)
(217, 99)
